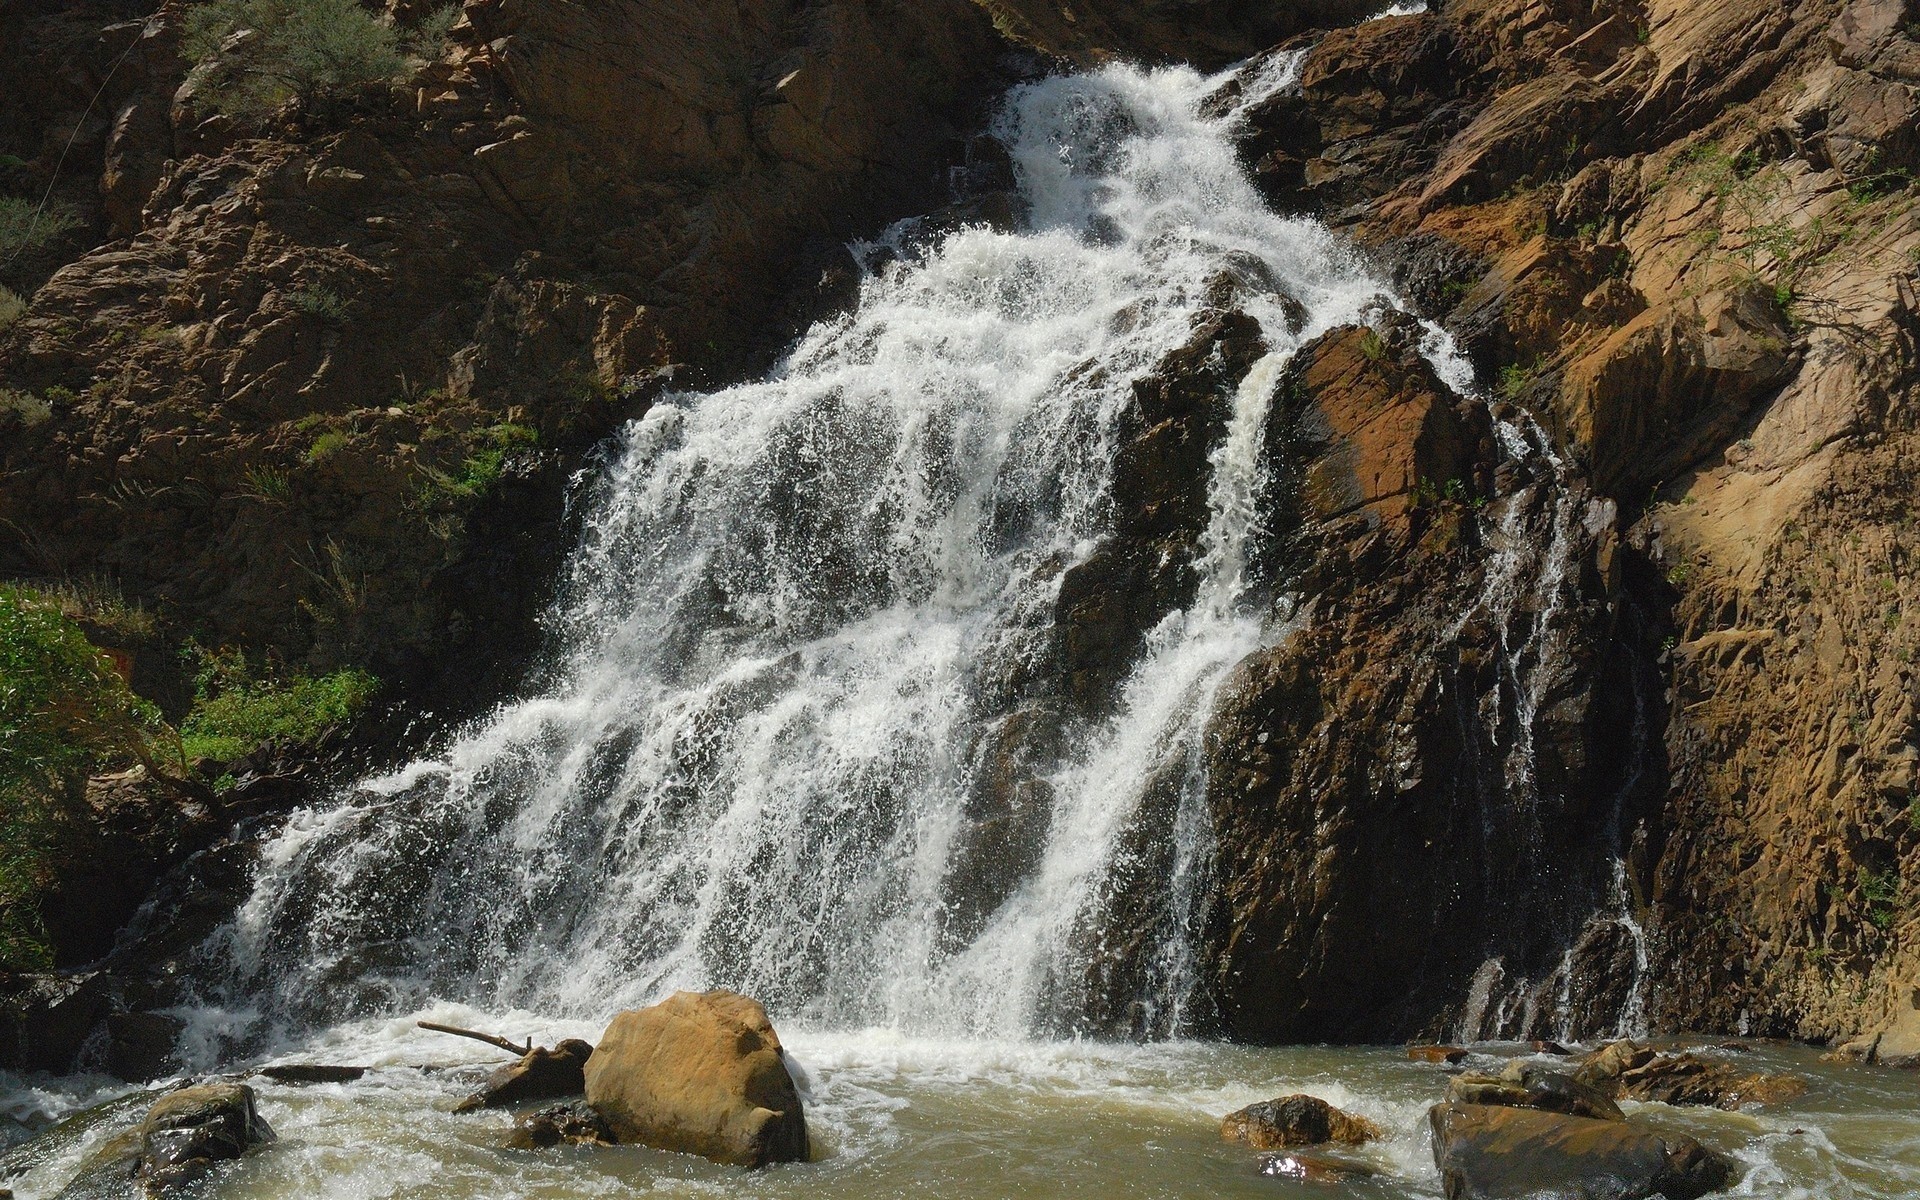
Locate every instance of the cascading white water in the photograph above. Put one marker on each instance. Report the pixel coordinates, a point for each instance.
(792, 607)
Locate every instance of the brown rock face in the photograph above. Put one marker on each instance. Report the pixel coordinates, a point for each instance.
(1379, 430)
(1524, 1086)
(699, 1074)
(319, 396)
(1371, 820)
(1295, 1121)
(1680, 235)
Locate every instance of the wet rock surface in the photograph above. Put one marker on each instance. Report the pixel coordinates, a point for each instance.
(185, 1137)
(1295, 1121)
(541, 1074)
(562, 1125)
(1522, 1085)
(1630, 1071)
(1504, 1153)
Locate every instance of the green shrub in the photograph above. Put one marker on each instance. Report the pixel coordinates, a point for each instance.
(270, 51)
(480, 470)
(235, 712)
(430, 33)
(25, 226)
(31, 409)
(64, 714)
(322, 302)
(12, 307)
(326, 446)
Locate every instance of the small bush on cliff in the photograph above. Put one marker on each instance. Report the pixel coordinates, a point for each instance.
(236, 712)
(64, 714)
(26, 226)
(267, 52)
(12, 307)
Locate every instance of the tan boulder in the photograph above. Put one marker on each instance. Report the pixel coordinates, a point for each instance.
(699, 1073)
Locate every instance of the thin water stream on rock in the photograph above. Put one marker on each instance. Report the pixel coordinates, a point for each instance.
(803, 614)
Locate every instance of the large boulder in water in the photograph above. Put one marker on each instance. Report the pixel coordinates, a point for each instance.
(700, 1073)
(1493, 1152)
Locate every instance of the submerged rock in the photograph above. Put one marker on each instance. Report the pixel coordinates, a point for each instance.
(185, 1135)
(312, 1073)
(541, 1074)
(1493, 1152)
(1295, 1121)
(576, 1124)
(1312, 1168)
(1450, 1055)
(699, 1073)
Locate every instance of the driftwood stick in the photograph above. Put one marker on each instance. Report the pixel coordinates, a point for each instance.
(476, 1035)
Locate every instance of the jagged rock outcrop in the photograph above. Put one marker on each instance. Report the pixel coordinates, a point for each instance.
(1376, 813)
(1208, 33)
(1681, 235)
(323, 387)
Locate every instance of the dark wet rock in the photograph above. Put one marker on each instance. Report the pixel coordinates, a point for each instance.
(1295, 1121)
(1313, 1168)
(541, 1074)
(699, 1073)
(312, 1073)
(1522, 1085)
(140, 1044)
(1450, 1055)
(186, 1135)
(564, 1124)
(1490, 1152)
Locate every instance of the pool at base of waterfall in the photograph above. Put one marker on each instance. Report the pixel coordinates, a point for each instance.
(894, 1115)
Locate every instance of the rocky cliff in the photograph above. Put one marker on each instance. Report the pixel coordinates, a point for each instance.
(313, 386)
(1683, 237)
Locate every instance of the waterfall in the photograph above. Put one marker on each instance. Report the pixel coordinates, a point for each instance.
(797, 621)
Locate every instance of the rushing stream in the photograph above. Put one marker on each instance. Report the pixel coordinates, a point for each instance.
(789, 640)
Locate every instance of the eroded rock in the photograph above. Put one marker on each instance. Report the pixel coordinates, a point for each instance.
(1522, 1085)
(564, 1124)
(1630, 1071)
